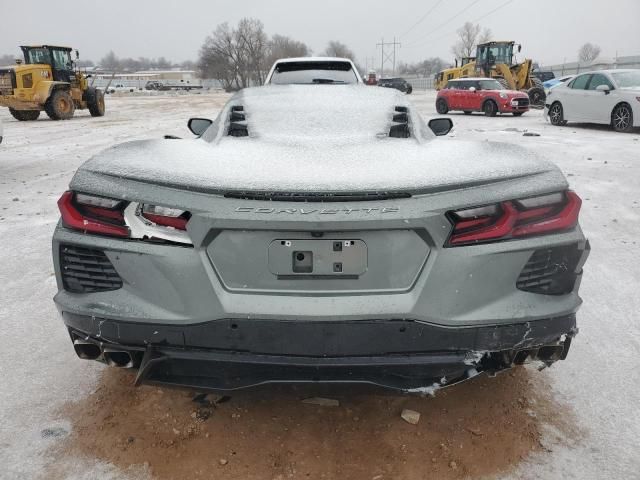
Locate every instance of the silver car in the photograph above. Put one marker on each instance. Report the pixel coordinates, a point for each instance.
(318, 233)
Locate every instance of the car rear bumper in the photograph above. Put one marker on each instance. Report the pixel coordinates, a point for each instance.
(401, 354)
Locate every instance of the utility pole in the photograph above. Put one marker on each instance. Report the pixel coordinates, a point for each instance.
(388, 57)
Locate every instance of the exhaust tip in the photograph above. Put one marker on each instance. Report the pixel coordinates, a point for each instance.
(117, 358)
(86, 350)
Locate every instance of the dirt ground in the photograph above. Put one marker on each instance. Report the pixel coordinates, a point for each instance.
(479, 428)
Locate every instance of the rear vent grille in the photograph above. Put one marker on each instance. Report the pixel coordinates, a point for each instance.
(86, 270)
(238, 122)
(551, 271)
(317, 196)
(400, 129)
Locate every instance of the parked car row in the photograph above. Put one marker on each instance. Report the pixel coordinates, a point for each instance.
(398, 83)
(610, 97)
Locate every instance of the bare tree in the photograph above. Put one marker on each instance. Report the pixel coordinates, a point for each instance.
(588, 52)
(252, 44)
(467, 40)
(425, 68)
(218, 57)
(110, 61)
(338, 49)
(485, 36)
(235, 56)
(285, 47)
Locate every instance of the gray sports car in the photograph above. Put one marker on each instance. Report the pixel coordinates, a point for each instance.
(318, 233)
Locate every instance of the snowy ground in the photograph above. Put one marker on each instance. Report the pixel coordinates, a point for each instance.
(598, 384)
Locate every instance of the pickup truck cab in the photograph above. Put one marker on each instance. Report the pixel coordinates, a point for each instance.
(120, 87)
(313, 70)
(481, 95)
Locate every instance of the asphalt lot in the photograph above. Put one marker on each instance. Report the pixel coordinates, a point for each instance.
(65, 418)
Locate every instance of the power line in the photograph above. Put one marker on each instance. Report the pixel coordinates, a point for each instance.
(420, 43)
(422, 18)
(445, 23)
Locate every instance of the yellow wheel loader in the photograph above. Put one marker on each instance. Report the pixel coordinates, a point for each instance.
(466, 69)
(47, 80)
(495, 60)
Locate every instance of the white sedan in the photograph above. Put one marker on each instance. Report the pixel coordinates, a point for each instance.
(611, 97)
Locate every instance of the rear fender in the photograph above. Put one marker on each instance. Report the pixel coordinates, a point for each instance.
(45, 88)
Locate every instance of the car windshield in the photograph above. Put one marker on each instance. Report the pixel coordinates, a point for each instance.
(490, 85)
(307, 73)
(627, 79)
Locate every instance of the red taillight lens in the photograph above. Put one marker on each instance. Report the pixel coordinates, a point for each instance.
(166, 217)
(514, 219)
(93, 214)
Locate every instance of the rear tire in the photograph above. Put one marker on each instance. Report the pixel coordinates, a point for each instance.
(95, 102)
(490, 108)
(517, 114)
(556, 115)
(60, 105)
(536, 96)
(441, 106)
(25, 115)
(467, 112)
(622, 118)
(409, 90)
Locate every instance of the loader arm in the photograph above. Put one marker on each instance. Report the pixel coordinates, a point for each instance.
(503, 70)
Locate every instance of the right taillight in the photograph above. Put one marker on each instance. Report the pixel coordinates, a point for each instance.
(542, 214)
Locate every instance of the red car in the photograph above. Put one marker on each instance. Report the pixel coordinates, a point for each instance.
(481, 95)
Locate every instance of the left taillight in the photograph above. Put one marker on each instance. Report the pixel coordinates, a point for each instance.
(93, 214)
(166, 217)
(514, 219)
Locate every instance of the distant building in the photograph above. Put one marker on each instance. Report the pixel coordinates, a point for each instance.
(139, 79)
(600, 63)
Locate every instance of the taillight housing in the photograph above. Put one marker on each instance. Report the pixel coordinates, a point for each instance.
(120, 218)
(165, 217)
(525, 217)
(93, 214)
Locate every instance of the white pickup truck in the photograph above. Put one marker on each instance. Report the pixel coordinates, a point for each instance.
(119, 87)
(313, 70)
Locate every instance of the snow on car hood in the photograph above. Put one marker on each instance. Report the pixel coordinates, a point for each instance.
(316, 138)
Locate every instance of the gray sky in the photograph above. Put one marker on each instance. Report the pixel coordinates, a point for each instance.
(549, 30)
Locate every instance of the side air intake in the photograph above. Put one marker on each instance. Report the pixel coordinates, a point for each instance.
(400, 128)
(238, 122)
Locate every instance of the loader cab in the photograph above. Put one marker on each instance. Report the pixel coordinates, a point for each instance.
(58, 58)
(490, 54)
